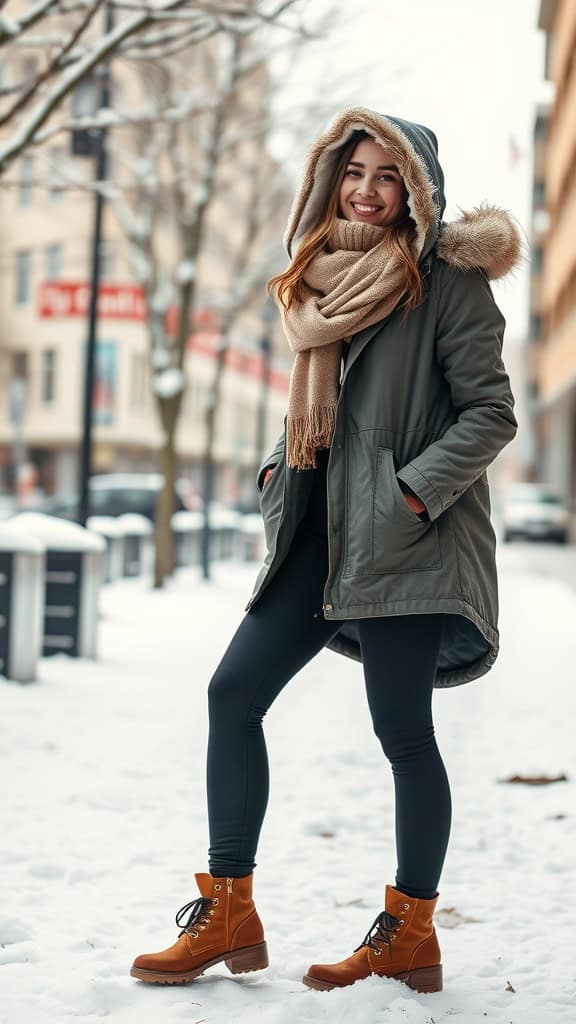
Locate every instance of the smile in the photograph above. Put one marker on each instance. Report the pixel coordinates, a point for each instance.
(365, 209)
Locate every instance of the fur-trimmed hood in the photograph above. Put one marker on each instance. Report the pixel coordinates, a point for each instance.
(485, 237)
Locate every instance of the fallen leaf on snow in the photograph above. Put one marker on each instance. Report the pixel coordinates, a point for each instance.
(449, 917)
(536, 780)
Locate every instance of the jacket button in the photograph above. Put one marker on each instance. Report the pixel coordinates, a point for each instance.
(328, 608)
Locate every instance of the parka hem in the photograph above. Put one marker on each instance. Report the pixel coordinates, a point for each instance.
(456, 606)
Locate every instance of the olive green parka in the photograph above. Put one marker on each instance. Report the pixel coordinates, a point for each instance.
(426, 402)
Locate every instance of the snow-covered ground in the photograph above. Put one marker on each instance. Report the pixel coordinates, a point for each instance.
(103, 822)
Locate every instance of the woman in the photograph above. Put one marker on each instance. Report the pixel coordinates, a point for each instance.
(377, 520)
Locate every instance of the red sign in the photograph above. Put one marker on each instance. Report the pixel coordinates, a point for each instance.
(64, 299)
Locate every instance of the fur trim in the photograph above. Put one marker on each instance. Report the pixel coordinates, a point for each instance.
(485, 237)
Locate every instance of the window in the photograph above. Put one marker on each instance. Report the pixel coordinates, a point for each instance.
(18, 387)
(26, 181)
(537, 256)
(56, 179)
(539, 194)
(20, 366)
(83, 100)
(23, 267)
(535, 325)
(48, 375)
(53, 262)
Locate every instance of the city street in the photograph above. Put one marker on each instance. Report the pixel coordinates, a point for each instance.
(105, 819)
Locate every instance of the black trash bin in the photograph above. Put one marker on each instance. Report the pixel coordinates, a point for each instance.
(73, 576)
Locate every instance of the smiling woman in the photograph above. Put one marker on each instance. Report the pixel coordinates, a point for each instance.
(377, 525)
(371, 190)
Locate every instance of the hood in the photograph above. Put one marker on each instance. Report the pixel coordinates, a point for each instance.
(485, 237)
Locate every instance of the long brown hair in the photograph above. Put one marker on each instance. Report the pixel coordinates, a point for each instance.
(289, 282)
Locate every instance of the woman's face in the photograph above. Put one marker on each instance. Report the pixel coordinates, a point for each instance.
(372, 189)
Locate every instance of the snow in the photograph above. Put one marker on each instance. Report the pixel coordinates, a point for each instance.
(186, 271)
(160, 358)
(8, 26)
(134, 524)
(106, 526)
(58, 534)
(14, 538)
(104, 822)
(168, 382)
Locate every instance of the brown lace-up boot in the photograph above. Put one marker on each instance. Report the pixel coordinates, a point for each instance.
(404, 946)
(223, 924)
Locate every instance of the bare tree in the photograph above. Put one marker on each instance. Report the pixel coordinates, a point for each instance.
(62, 38)
(187, 131)
(179, 164)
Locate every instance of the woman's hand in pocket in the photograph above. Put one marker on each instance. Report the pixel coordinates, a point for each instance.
(413, 501)
(267, 476)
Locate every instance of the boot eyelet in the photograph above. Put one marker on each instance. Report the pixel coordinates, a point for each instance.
(215, 900)
(401, 920)
(377, 952)
(392, 937)
(405, 906)
(193, 934)
(210, 911)
(218, 887)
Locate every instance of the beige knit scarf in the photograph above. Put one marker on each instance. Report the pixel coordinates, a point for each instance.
(356, 280)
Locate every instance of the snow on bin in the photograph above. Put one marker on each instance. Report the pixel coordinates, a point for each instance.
(22, 564)
(187, 530)
(224, 523)
(138, 544)
(250, 541)
(113, 534)
(73, 575)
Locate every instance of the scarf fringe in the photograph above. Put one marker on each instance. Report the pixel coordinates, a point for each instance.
(304, 434)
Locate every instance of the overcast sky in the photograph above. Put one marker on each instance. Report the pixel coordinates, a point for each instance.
(473, 72)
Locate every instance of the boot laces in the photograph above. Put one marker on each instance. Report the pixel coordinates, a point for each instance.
(198, 913)
(385, 925)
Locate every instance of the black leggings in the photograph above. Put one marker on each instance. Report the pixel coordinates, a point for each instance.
(275, 639)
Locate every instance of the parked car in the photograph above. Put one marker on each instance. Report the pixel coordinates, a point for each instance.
(535, 512)
(113, 494)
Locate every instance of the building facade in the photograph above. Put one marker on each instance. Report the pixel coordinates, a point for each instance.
(45, 250)
(553, 295)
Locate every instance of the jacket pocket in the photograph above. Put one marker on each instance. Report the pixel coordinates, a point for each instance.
(401, 541)
(270, 499)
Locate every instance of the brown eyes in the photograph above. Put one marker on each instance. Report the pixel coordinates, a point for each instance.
(385, 177)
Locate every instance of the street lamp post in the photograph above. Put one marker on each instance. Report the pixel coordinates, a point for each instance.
(101, 170)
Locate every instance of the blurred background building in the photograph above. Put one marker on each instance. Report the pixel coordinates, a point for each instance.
(552, 335)
(47, 217)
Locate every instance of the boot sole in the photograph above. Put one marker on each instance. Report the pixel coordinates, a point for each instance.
(423, 979)
(238, 961)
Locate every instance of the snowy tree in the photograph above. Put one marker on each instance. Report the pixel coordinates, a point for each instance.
(193, 129)
(49, 47)
(194, 119)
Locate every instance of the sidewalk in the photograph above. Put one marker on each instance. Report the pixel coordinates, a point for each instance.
(104, 822)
